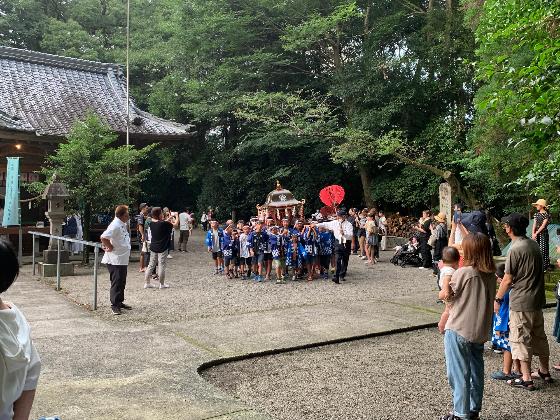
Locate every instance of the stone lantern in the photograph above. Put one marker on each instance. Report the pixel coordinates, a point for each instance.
(55, 193)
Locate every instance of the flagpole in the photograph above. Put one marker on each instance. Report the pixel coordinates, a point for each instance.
(127, 95)
(20, 231)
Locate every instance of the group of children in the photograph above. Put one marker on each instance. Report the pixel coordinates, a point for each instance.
(256, 249)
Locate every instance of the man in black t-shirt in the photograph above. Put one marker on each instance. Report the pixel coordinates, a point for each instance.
(424, 232)
(161, 237)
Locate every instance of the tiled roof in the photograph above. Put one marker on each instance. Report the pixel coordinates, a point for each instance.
(45, 94)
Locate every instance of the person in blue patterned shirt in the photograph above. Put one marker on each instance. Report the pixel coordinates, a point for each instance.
(258, 243)
(310, 240)
(276, 241)
(326, 244)
(500, 338)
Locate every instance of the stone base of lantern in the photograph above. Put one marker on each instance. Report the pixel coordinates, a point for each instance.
(50, 256)
(49, 270)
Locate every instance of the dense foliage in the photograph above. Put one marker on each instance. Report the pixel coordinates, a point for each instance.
(385, 97)
(516, 139)
(94, 170)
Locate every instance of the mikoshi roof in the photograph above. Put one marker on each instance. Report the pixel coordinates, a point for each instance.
(45, 94)
(280, 197)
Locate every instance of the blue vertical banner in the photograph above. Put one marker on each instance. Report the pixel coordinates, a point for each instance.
(11, 202)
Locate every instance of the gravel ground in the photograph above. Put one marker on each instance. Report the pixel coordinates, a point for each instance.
(393, 377)
(197, 293)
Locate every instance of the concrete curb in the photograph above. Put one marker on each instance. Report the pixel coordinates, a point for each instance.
(217, 362)
(224, 360)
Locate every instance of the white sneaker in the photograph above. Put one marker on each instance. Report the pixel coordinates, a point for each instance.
(149, 286)
(164, 286)
(169, 256)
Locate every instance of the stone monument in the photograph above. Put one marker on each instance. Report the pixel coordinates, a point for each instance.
(55, 193)
(445, 202)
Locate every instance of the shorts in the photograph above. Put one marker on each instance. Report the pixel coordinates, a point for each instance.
(245, 261)
(501, 340)
(280, 263)
(310, 259)
(237, 261)
(216, 255)
(184, 236)
(361, 232)
(268, 256)
(228, 261)
(258, 259)
(527, 336)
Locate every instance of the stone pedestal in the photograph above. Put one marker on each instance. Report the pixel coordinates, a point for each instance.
(390, 242)
(49, 270)
(50, 256)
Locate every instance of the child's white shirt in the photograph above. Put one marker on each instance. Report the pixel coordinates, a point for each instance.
(445, 271)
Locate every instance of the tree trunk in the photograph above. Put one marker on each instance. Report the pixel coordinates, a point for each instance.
(463, 193)
(366, 186)
(449, 21)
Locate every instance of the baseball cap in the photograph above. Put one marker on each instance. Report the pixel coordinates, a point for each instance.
(516, 220)
(142, 205)
(341, 212)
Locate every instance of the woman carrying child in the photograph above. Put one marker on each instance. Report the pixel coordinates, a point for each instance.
(470, 292)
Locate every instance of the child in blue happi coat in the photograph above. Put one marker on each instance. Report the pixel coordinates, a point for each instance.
(244, 253)
(500, 338)
(286, 243)
(296, 255)
(258, 244)
(228, 251)
(326, 245)
(276, 241)
(214, 242)
(310, 240)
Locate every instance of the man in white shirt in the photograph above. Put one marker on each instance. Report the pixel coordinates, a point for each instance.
(185, 227)
(343, 232)
(116, 244)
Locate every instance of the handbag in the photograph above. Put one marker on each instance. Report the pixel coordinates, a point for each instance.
(432, 239)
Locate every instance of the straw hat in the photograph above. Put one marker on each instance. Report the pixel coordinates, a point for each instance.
(541, 202)
(441, 217)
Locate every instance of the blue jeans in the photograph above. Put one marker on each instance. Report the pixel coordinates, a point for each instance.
(465, 373)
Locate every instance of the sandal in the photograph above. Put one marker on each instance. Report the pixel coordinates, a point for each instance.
(520, 383)
(544, 376)
(501, 376)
